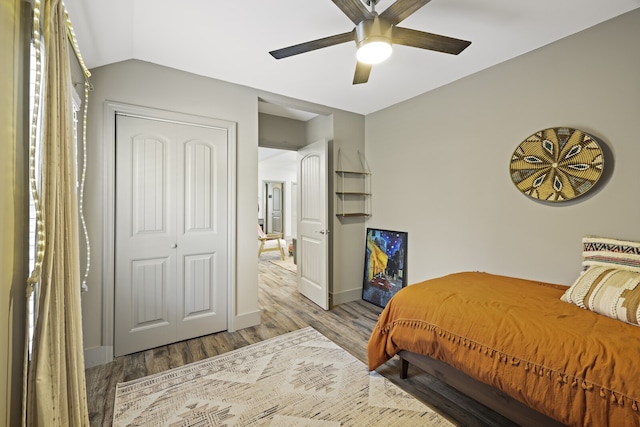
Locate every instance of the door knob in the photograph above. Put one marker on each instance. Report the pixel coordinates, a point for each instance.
(323, 231)
(173, 245)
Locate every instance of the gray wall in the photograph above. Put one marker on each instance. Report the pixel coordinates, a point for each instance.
(148, 85)
(280, 132)
(348, 233)
(440, 161)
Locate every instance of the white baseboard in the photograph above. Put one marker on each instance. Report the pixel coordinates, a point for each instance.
(97, 356)
(347, 296)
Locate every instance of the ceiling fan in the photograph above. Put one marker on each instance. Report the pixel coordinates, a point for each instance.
(374, 33)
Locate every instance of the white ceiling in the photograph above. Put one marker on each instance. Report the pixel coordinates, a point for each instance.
(230, 40)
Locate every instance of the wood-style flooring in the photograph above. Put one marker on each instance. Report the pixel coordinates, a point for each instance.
(283, 310)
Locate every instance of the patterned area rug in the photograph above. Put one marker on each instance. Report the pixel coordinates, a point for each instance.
(287, 264)
(297, 379)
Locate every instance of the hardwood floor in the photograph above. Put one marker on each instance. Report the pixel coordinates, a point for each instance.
(284, 310)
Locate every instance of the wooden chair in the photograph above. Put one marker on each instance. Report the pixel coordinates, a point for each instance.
(271, 242)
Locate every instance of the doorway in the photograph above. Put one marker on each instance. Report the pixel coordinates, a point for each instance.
(309, 244)
(277, 178)
(285, 129)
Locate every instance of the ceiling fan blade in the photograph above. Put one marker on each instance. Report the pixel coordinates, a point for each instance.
(422, 40)
(362, 73)
(313, 45)
(354, 9)
(401, 10)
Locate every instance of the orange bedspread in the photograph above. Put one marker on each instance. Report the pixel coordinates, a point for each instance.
(573, 365)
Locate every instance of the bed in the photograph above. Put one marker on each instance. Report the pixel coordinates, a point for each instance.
(539, 350)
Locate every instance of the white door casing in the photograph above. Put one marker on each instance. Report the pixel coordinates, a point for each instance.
(171, 233)
(313, 232)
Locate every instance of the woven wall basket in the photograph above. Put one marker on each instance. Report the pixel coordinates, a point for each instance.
(557, 164)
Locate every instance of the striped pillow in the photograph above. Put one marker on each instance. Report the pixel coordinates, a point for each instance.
(608, 291)
(612, 253)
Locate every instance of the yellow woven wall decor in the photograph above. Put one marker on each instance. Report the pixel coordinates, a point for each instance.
(557, 164)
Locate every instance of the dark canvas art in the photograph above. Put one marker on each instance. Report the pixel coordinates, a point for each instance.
(385, 265)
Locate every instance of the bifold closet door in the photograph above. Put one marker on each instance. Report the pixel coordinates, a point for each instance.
(171, 233)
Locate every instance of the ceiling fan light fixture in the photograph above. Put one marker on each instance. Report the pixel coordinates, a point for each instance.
(373, 38)
(375, 33)
(374, 50)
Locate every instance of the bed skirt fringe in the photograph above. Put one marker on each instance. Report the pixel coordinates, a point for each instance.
(530, 366)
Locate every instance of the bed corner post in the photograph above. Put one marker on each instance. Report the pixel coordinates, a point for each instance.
(404, 368)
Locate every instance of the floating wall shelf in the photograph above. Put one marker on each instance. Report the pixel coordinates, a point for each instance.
(353, 190)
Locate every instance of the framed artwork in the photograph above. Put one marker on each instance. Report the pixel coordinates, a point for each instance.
(385, 265)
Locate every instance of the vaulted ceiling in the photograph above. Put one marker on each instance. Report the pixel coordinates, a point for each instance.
(231, 40)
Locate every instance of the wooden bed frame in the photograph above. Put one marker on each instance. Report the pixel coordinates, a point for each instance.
(483, 393)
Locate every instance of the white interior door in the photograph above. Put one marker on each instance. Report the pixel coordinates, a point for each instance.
(171, 233)
(313, 233)
(275, 207)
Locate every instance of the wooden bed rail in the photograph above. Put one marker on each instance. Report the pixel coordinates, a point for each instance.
(483, 393)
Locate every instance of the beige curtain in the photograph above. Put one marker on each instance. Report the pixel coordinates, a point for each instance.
(13, 188)
(56, 392)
